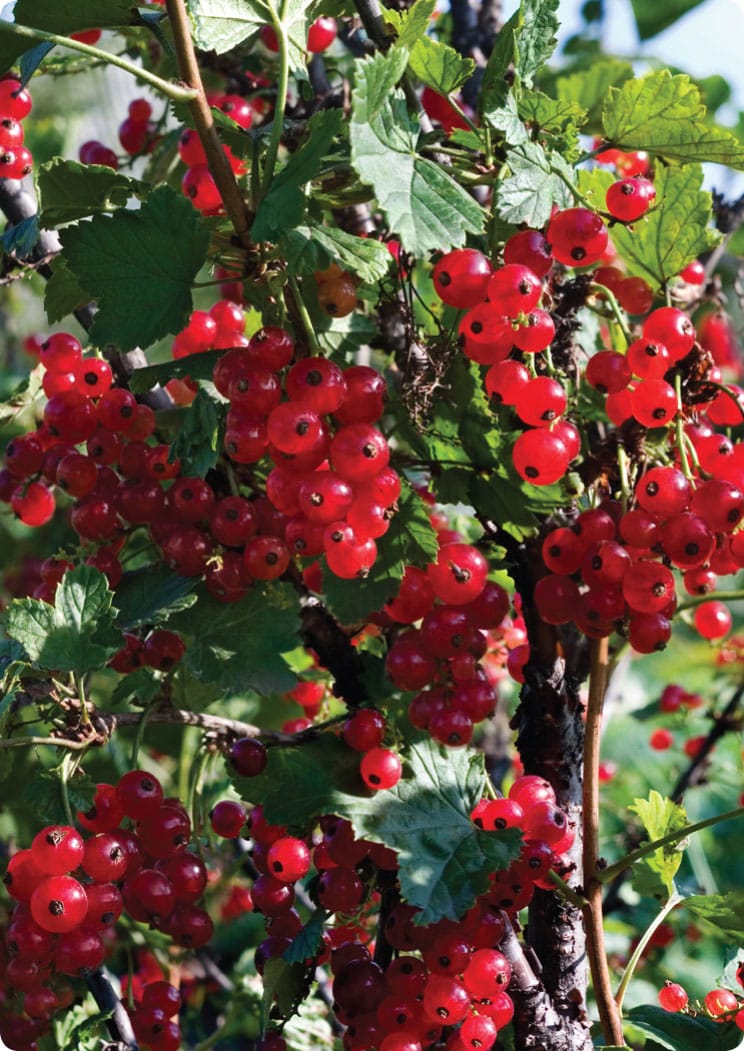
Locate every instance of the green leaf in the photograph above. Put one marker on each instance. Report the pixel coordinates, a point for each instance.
(139, 265)
(239, 646)
(411, 25)
(725, 911)
(653, 18)
(529, 193)
(654, 874)
(67, 16)
(150, 595)
(198, 443)
(352, 601)
(70, 191)
(502, 57)
(439, 66)
(503, 115)
(444, 859)
(284, 205)
(559, 119)
(140, 687)
(32, 60)
(195, 366)
(411, 538)
(76, 633)
(20, 240)
(44, 795)
(368, 259)
(536, 41)
(222, 25)
(588, 88)
(425, 207)
(677, 231)
(665, 115)
(678, 1032)
(63, 293)
(308, 942)
(285, 985)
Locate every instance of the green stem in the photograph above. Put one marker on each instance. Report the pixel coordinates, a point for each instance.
(722, 596)
(608, 875)
(614, 306)
(640, 948)
(172, 91)
(679, 427)
(139, 737)
(64, 774)
(306, 319)
(282, 85)
(197, 782)
(463, 115)
(80, 688)
(53, 742)
(623, 465)
(568, 892)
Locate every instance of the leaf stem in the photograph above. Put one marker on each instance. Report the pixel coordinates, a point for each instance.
(639, 949)
(567, 891)
(64, 774)
(609, 1014)
(219, 166)
(609, 874)
(172, 91)
(282, 85)
(312, 337)
(614, 306)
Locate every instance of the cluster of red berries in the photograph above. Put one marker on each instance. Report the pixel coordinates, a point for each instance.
(70, 892)
(331, 486)
(15, 104)
(136, 134)
(720, 1004)
(440, 659)
(611, 568)
(446, 974)
(198, 183)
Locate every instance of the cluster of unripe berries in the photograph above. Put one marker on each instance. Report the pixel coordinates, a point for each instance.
(15, 104)
(69, 892)
(444, 975)
(720, 1004)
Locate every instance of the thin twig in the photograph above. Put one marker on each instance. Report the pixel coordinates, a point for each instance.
(119, 1024)
(219, 166)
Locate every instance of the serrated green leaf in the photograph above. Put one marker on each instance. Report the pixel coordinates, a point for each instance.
(425, 207)
(44, 795)
(559, 119)
(20, 240)
(411, 25)
(139, 265)
(502, 57)
(198, 443)
(678, 230)
(308, 942)
(678, 1032)
(150, 595)
(725, 911)
(76, 633)
(536, 40)
(652, 19)
(664, 114)
(239, 646)
(70, 191)
(285, 985)
(67, 16)
(352, 601)
(444, 859)
(283, 207)
(367, 258)
(222, 25)
(439, 66)
(63, 293)
(411, 538)
(140, 687)
(528, 194)
(654, 874)
(503, 115)
(588, 87)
